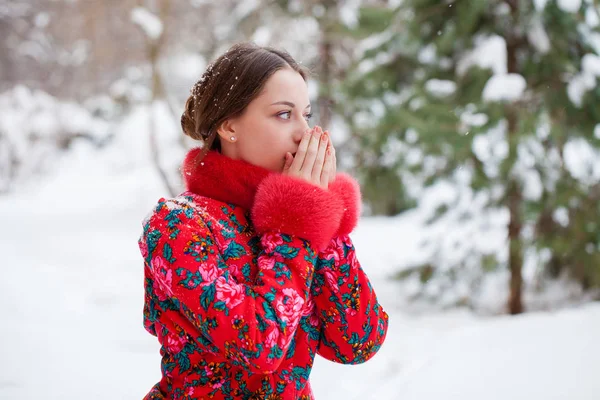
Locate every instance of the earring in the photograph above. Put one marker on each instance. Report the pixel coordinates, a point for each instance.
(232, 138)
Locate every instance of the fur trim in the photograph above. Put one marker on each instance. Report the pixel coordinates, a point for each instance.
(290, 205)
(347, 189)
(222, 178)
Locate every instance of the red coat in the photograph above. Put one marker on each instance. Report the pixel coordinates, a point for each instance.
(248, 275)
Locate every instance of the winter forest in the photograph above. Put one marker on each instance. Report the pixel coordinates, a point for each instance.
(473, 127)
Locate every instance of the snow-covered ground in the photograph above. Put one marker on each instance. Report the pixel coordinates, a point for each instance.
(71, 292)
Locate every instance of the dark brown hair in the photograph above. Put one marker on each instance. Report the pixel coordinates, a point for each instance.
(227, 87)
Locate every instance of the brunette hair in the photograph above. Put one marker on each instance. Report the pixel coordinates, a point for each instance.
(228, 85)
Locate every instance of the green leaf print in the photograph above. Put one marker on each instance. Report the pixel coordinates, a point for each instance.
(287, 251)
(220, 306)
(234, 251)
(183, 361)
(168, 253)
(269, 312)
(207, 296)
(276, 352)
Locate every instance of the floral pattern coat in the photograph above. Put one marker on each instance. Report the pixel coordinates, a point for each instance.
(250, 274)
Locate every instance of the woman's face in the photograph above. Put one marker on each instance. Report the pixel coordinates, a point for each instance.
(272, 124)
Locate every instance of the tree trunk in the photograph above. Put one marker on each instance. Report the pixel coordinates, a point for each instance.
(325, 83)
(514, 194)
(326, 64)
(153, 50)
(515, 257)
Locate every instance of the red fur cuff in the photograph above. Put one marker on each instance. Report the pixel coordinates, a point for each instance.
(347, 189)
(290, 205)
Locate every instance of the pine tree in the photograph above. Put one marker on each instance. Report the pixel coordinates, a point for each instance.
(501, 94)
(366, 98)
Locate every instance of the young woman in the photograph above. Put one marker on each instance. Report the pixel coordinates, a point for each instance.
(250, 272)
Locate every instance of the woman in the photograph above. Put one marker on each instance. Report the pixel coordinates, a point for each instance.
(250, 272)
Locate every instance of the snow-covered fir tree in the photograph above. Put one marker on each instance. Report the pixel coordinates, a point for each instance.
(500, 99)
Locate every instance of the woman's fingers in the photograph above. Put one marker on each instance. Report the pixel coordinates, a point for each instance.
(301, 153)
(333, 165)
(311, 153)
(315, 159)
(327, 168)
(320, 159)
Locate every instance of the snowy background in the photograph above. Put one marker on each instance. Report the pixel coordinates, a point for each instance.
(72, 295)
(77, 176)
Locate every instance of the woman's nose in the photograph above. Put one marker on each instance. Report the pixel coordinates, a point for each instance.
(300, 129)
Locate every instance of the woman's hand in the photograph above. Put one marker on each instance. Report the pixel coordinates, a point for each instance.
(315, 159)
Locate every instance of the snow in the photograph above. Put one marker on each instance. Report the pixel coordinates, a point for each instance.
(505, 87)
(582, 161)
(590, 64)
(440, 88)
(427, 54)
(489, 52)
(538, 37)
(592, 17)
(540, 4)
(570, 6)
(470, 118)
(262, 36)
(42, 20)
(584, 80)
(188, 66)
(149, 22)
(561, 215)
(82, 317)
(368, 65)
(244, 8)
(349, 12)
(72, 291)
(491, 148)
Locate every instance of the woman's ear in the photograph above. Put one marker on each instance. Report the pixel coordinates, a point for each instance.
(226, 131)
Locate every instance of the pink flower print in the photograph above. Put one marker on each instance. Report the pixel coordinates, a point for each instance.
(231, 293)
(332, 252)
(270, 241)
(351, 311)
(174, 343)
(314, 320)
(143, 248)
(289, 306)
(310, 305)
(266, 263)
(209, 272)
(163, 277)
(234, 270)
(271, 338)
(345, 240)
(353, 261)
(331, 281)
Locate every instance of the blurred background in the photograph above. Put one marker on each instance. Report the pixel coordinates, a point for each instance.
(472, 126)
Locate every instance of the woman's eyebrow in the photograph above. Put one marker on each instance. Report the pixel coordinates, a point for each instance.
(288, 103)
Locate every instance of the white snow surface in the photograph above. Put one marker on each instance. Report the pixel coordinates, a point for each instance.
(72, 295)
(489, 52)
(571, 6)
(149, 22)
(504, 87)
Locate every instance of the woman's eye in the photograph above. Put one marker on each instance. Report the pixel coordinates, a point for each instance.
(288, 113)
(308, 116)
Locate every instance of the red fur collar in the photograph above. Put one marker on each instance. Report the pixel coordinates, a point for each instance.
(222, 178)
(236, 182)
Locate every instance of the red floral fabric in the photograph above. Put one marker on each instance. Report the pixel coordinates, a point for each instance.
(242, 294)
